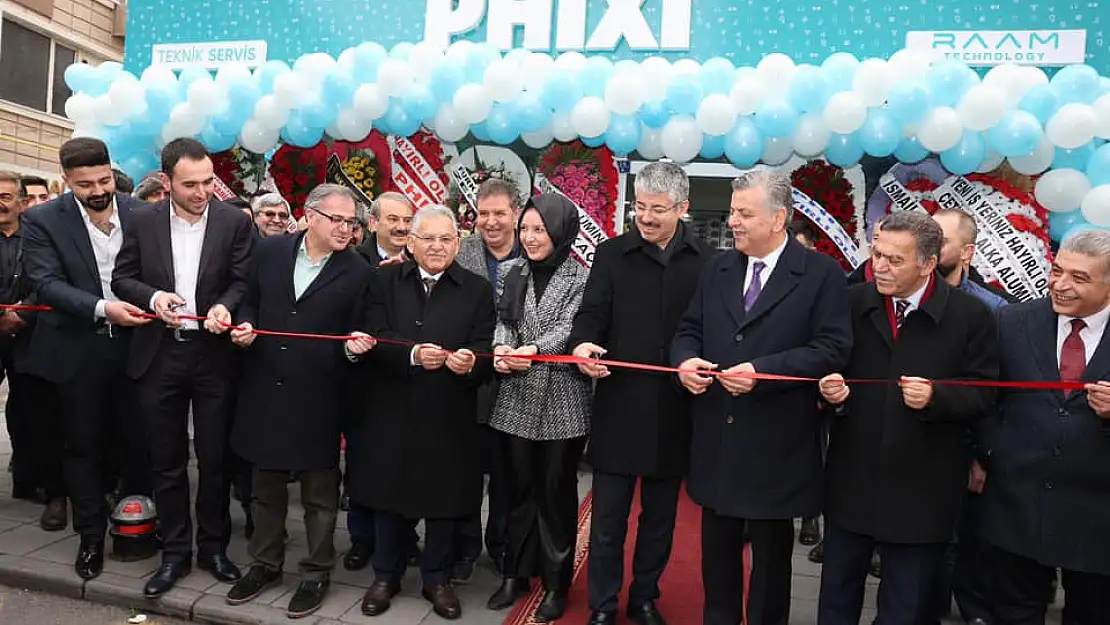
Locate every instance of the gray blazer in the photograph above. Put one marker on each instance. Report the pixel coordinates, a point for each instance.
(472, 257)
(548, 401)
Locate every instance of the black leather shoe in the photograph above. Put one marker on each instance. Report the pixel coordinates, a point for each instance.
(254, 583)
(817, 554)
(977, 621)
(511, 589)
(377, 598)
(551, 607)
(308, 597)
(221, 568)
(645, 614)
(358, 556)
(90, 560)
(602, 618)
(164, 578)
(810, 533)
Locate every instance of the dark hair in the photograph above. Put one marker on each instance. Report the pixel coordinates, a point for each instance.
(124, 183)
(181, 148)
(83, 152)
(803, 228)
(927, 235)
(32, 181)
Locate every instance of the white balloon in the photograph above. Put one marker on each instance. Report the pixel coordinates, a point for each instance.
(1062, 190)
(940, 130)
(235, 74)
(1096, 206)
(90, 130)
(503, 80)
(270, 113)
(1072, 126)
(655, 75)
(590, 116)
(257, 139)
(449, 126)
(845, 112)
(686, 66)
(107, 113)
(459, 50)
(681, 139)
(424, 57)
(563, 128)
(909, 63)
(395, 77)
(535, 68)
(290, 89)
(872, 81)
(626, 65)
(811, 136)
(982, 107)
(777, 150)
(776, 70)
(518, 56)
(346, 60)
(716, 114)
(313, 67)
(171, 132)
(1101, 108)
(1038, 161)
(572, 61)
(651, 144)
(748, 92)
(539, 139)
(187, 119)
(158, 76)
(127, 93)
(1009, 81)
(370, 101)
(990, 162)
(624, 94)
(80, 107)
(351, 125)
(206, 96)
(472, 103)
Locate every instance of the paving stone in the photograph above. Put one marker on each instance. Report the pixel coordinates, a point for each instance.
(214, 609)
(201, 581)
(24, 539)
(404, 610)
(125, 591)
(59, 579)
(62, 552)
(20, 510)
(7, 524)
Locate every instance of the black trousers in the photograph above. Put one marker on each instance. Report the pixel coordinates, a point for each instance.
(907, 589)
(1020, 591)
(391, 551)
(468, 532)
(184, 373)
(612, 502)
(95, 405)
(33, 428)
(320, 500)
(969, 572)
(543, 518)
(722, 569)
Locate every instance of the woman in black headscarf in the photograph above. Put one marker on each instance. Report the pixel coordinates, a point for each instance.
(542, 409)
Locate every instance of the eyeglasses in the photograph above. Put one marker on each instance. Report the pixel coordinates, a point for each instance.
(657, 211)
(443, 239)
(336, 220)
(282, 215)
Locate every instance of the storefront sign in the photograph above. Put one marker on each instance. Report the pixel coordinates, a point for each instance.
(209, 55)
(996, 47)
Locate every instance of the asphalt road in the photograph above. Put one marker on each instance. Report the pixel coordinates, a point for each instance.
(33, 608)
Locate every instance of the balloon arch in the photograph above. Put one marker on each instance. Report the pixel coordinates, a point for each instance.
(909, 107)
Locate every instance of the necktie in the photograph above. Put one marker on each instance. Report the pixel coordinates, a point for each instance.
(900, 306)
(1073, 355)
(429, 284)
(756, 287)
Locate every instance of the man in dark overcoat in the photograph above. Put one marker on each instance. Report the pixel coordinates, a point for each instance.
(898, 464)
(773, 307)
(414, 452)
(1044, 503)
(639, 286)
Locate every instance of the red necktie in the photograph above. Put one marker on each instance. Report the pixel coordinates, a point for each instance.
(1073, 355)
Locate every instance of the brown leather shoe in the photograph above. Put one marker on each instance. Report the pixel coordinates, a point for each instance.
(444, 602)
(376, 600)
(55, 517)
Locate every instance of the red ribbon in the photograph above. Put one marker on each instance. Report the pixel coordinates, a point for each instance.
(575, 360)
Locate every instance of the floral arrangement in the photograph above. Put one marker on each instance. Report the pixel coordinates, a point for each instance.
(827, 185)
(244, 172)
(588, 176)
(297, 171)
(359, 166)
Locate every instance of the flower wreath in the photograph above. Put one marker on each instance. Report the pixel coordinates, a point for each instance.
(827, 185)
(588, 176)
(244, 172)
(418, 169)
(297, 171)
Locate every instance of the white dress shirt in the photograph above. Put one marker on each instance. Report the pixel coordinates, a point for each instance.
(1091, 335)
(769, 261)
(187, 241)
(105, 249)
(382, 254)
(914, 300)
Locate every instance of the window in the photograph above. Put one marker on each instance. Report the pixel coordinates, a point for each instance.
(32, 69)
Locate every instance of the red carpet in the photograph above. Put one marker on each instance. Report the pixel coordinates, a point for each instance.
(681, 600)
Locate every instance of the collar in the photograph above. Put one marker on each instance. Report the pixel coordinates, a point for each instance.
(302, 250)
(203, 218)
(382, 254)
(84, 212)
(771, 259)
(916, 297)
(451, 272)
(513, 253)
(684, 236)
(1096, 323)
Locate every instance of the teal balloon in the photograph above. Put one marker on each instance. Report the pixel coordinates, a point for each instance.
(500, 125)
(717, 76)
(843, 150)
(712, 146)
(446, 78)
(624, 134)
(1042, 101)
(684, 94)
(594, 75)
(908, 102)
(530, 112)
(230, 122)
(267, 73)
(319, 114)
(809, 91)
(419, 102)
(947, 80)
(1059, 224)
(775, 117)
(1017, 134)
(594, 142)
(561, 91)
(188, 76)
(215, 140)
(78, 76)
(1073, 159)
(478, 59)
(1077, 83)
(655, 114)
(1098, 166)
(840, 71)
(400, 121)
(338, 88)
(744, 144)
(880, 134)
(965, 156)
(910, 151)
(243, 97)
(299, 133)
(368, 59)
(479, 132)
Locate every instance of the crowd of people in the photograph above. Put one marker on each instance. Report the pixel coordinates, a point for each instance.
(926, 471)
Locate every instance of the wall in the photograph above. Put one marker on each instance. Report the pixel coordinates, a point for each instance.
(743, 30)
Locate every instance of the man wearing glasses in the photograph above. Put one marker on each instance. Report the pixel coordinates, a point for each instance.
(271, 214)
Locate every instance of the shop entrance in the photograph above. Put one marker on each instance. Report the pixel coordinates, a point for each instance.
(710, 194)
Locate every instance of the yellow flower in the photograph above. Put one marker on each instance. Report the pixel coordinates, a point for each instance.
(357, 175)
(369, 183)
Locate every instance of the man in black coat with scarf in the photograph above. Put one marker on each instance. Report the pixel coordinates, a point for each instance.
(897, 464)
(639, 286)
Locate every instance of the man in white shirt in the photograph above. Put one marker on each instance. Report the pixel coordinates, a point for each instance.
(187, 256)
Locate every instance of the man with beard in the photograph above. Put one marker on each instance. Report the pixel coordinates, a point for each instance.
(69, 249)
(390, 219)
(187, 255)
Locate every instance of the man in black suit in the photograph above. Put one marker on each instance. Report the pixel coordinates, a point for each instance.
(69, 249)
(898, 464)
(1044, 502)
(771, 306)
(187, 255)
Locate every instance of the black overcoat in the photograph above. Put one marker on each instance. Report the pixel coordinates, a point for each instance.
(414, 448)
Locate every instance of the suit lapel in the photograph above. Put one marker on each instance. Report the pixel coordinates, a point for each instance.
(165, 242)
(876, 312)
(1042, 338)
(734, 296)
(779, 283)
(1099, 367)
(214, 232)
(332, 269)
(75, 223)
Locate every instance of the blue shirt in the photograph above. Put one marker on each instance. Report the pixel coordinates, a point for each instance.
(493, 264)
(993, 300)
(305, 270)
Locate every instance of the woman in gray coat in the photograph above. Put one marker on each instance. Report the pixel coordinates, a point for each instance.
(542, 408)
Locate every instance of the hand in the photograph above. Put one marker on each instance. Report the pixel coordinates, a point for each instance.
(916, 392)
(243, 335)
(976, 477)
(11, 322)
(392, 260)
(430, 356)
(500, 365)
(518, 365)
(691, 376)
(738, 385)
(165, 306)
(833, 389)
(590, 351)
(1098, 396)
(360, 343)
(461, 362)
(124, 314)
(219, 319)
